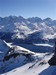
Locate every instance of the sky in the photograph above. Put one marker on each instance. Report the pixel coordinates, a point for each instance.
(28, 8)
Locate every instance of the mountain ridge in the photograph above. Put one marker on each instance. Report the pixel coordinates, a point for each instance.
(22, 27)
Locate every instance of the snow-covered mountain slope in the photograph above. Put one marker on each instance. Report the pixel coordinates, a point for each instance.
(49, 71)
(39, 48)
(3, 49)
(22, 61)
(32, 68)
(19, 60)
(16, 56)
(23, 27)
(30, 48)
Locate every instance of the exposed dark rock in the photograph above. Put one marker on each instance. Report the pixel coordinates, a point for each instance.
(6, 58)
(52, 61)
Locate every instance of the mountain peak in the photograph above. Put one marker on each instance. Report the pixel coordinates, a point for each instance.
(34, 19)
(47, 19)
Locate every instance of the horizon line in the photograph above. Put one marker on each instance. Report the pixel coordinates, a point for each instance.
(26, 17)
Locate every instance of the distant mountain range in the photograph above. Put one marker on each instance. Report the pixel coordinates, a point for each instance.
(26, 45)
(22, 28)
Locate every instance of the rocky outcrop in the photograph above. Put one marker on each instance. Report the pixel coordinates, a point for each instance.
(52, 61)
